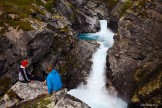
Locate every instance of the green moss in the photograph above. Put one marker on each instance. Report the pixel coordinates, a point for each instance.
(145, 70)
(64, 29)
(135, 99)
(151, 86)
(125, 6)
(142, 3)
(18, 6)
(49, 5)
(44, 102)
(21, 9)
(57, 16)
(26, 26)
(40, 102)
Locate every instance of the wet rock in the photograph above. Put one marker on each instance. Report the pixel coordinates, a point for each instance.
(78, 71)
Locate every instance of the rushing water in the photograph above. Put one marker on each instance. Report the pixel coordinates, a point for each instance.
(95, 93)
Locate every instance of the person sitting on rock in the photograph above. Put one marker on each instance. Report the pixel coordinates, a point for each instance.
(24, 75)
(53, 80)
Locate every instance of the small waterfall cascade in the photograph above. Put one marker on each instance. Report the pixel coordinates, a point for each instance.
(95, 93)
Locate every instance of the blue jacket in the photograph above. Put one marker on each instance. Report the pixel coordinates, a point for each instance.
(53, 81)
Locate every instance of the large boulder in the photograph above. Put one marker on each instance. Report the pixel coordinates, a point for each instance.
(35, 95)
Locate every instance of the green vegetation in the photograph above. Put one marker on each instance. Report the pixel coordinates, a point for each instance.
(151, 90)
(16, 13)
(49, 5)
(140, 7)
(64, 29)
(19, 7)
(125, 6)
(40, 102)
(18, 23)
(141, 3)
(148, 78)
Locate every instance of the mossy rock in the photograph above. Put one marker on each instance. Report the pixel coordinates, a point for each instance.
(40, 102)
(124, 7)
(50, 4)
(148, 79)
(23, 9)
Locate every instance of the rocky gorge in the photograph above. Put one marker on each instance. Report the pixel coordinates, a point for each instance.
(45, 32)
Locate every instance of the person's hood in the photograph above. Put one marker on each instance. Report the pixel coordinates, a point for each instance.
(54, 72)
(22, 66)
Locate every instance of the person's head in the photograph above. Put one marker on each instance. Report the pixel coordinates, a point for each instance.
(49, 69)
(25, 63)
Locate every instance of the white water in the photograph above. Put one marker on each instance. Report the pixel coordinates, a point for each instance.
(94, 93)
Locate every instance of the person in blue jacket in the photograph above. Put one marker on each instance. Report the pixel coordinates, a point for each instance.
(53, 80)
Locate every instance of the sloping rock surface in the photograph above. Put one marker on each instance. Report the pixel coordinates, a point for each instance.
(35, 95)
(46, 34)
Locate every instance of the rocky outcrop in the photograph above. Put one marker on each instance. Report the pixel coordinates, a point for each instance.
(134, 61)
(79, 71)
(117, 12)
(46, 34)
(35, 95)
(83, 15)
(48, 48)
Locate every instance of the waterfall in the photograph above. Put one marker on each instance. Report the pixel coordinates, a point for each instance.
(95, 93)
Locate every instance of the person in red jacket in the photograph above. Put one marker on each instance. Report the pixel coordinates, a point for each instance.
(24, 75)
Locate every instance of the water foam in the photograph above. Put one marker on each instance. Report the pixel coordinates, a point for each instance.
(95, 93)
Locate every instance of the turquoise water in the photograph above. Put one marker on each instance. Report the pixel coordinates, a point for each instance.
(88, 36)
(94, 37)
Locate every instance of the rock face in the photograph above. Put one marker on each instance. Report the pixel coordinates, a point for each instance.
(83, 51)
(134, 61)
(34, 95)
(46, 34)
